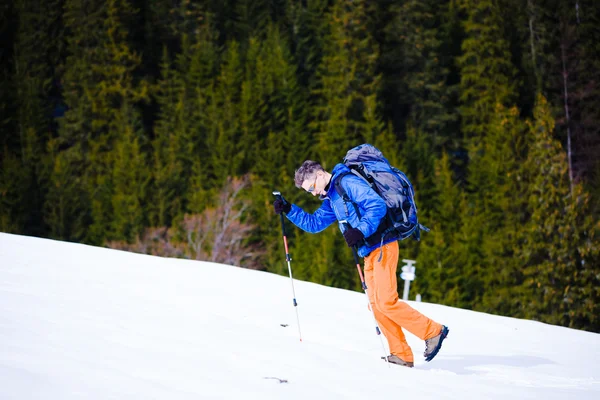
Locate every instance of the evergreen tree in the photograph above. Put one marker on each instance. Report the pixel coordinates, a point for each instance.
(307, 27)
(182, 94)
(251, 18)
(278, 113)
(487, 73)
(8, 28)
(562, 46)
(223, 115)
(346, 78)
(502, 195)
(438, 258)
(494, 208)
(562, 247)
(98, 80)
(169, 136)
(130, 177)
(579, 36)
(589, 95)
(274, 141)
(37, 48)
(203, 66)
(67, 206)
(414, 68)
(487, 84)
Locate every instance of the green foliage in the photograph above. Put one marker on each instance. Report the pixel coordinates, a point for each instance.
(347, 80)
(179, 146)
(562, 248)
(130, 179)
(438, 251)
(129, 127)
(25, 129)
(12, 194)
(307, 25)
(413, 50)
(99, 80)
(487, 73)
(67, 202)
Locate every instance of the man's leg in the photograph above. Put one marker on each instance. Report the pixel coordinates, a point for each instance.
(391, 330)
(385, 295)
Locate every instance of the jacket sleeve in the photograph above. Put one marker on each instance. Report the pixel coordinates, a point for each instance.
(371, 205)
(312, 223)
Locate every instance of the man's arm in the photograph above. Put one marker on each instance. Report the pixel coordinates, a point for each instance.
(312, 223)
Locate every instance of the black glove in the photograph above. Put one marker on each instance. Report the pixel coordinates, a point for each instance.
(280, 205)
(353, 236)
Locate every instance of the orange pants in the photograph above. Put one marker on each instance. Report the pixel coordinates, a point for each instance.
(391, 313)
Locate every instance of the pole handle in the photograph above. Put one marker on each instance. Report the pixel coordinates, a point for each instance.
(278, 195)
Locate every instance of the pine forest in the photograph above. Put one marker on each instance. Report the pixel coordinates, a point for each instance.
(163, 127)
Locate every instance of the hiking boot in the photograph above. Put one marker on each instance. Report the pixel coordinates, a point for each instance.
(433, 345)
(394, 359)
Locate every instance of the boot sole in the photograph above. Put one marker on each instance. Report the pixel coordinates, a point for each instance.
(444, 334)
(402, 365)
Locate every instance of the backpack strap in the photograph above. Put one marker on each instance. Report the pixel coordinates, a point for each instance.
(342, 193)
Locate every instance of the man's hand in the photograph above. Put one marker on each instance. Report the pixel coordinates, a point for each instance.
(353, 236)
(280, 205)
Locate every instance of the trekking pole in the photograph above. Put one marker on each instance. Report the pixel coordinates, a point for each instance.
(289, 258)
(364, 286)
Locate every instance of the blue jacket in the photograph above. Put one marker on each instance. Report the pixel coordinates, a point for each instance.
(371, 206)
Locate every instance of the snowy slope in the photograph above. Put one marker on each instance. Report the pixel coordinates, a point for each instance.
(80, 322)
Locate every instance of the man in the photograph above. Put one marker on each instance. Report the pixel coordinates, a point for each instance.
(380, 266)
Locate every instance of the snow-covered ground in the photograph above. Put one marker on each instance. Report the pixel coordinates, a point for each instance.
(81, 322)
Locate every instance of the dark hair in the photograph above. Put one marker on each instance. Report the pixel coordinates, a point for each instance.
(308, 169)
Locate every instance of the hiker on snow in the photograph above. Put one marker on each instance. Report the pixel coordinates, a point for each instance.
(380, 256)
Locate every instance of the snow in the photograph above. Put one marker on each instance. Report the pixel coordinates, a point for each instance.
(82, 322)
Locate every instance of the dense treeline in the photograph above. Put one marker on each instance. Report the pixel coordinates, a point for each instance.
(164, 126)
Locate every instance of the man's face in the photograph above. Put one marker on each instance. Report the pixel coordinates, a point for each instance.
(315, 185)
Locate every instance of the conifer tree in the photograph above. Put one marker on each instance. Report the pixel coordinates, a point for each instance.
(169, 133)
(8, 101)
(415, 70)
(273, 141)
(494, 208)
(487, 84)
(251, 19)
(255, 109)
(417, 162)
(307, 28)
(502, 197)
(346, 78)
(562, 249)
(98, 80)
(487, 74)
(67, 206)
(562, 46)
(37, 48)
(12, 176)
(203, 66)
(130, 177)
(438, 258)
(223, 115)
(181, 129)
(278, 114)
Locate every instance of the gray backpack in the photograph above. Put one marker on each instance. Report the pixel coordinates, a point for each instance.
(400, 222)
